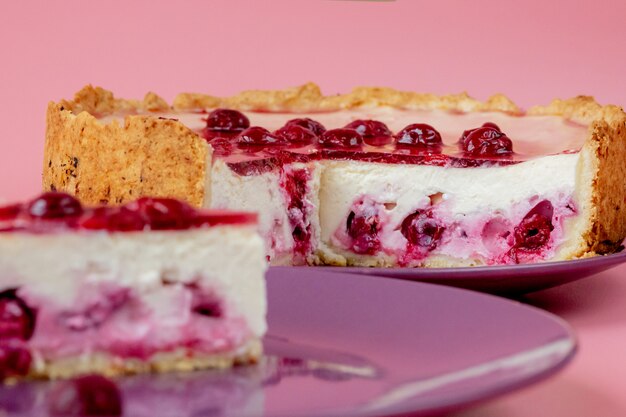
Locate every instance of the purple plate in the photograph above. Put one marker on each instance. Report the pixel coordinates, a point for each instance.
(504, 279)
(347, 345)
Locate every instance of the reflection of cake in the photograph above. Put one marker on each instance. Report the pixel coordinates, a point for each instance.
(151, 285)
(399, 179)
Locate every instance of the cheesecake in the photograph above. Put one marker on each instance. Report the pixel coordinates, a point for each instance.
(376, 177)
(150, 285)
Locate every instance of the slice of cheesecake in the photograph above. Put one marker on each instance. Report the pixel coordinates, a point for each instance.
(150, 285)
(376, 177)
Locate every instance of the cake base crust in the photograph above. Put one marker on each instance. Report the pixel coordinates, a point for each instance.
(179, 360)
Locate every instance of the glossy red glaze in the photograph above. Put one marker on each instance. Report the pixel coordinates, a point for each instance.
(143, 214)
(417, 144)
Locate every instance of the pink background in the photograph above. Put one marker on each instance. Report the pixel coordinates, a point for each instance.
(532, 51)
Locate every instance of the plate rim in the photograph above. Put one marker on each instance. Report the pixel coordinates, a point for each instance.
(485, 393)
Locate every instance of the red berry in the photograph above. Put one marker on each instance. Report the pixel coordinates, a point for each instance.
(17, 320)
(341, 138)
(114, 219)
(486, 141)
(305, 122)
(374, 133)
(54, 205)
(259, 136)
(363, 228)
(227, 120)
(533, 232)
(296, 134)
(89, 395)
(15, 360)
(492, 125)
(164, 213)
(422, 230)
(10, 212)
(419, 135)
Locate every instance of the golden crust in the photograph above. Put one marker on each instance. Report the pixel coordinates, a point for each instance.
(308, 98)
(604, 156)
(109, 163)
(149, 156)
(181, 360)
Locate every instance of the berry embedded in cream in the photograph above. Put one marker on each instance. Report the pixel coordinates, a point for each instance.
(376, 177)
(153, 284)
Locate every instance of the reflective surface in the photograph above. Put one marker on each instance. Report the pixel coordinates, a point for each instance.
(499, 279)
(347, 345)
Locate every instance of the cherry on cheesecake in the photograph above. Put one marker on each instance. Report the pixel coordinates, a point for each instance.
(487, 141)
(419, 135)
(296, 134)
(374, 133)
(341, 138)
(54, 205)
(259, 136)
(227, 120)
(313, 125)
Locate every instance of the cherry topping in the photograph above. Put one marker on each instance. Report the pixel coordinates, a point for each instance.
(17, 320)
(164, 213)
(533, 232)
(89, 395)
(10, 212)
(492, 125)
(363, 229)
(487, 141)
(222, 146)
(227, 120)
(421, 229)
(296, 134)
(54, 205)
(314, 126)
(15, 360)
(259, 136)
(119, 219)
(374, 132)
(341, 138)
(419, 135)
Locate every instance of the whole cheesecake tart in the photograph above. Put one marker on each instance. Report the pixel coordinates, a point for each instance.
(376, 177)
(151, 285)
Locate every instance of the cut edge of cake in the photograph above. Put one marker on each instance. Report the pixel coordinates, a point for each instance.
(106, 163)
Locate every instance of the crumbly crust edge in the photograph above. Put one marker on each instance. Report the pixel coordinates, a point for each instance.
(604, 204)
(180, 360)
